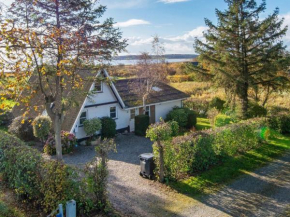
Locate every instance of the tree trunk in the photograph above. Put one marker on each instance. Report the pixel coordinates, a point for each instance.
(57, 129)
(243, 99)
(161, 161)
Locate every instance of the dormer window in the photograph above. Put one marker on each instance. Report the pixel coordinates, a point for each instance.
(99, 86)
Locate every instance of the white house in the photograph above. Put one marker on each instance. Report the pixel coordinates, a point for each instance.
(116, 99)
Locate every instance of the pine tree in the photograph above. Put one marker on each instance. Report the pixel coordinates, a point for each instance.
(65, 35)
(243, 51)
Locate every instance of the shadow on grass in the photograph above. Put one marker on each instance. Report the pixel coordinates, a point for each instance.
(202, 124)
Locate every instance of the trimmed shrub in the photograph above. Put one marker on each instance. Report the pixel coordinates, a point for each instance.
(217, 103)
(222, 120)
(22, 128)
(255, 110)
(91, 126)
(179, 115)
(68, 142)
(191, 119)
(142, 123)
(201, 150)
(280, 123)
(41, 126)
(108, 127)
(42, 183)
(6, 118)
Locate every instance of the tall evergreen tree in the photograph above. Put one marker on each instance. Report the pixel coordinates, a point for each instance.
(243, 50)
(64, 34)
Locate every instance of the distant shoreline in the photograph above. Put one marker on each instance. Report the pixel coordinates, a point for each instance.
(167, 56)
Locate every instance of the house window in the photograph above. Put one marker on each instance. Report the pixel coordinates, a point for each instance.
(147, 112)
(83, 117)
(113, 112)
(99, 86)
(132, 114)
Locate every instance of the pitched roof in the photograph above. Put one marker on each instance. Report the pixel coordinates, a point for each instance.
(162, 93)
(39, 101)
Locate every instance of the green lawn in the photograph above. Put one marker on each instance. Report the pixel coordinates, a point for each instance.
(202, 124)
(213, 179)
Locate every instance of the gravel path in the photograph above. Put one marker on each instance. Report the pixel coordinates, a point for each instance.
(265, 192)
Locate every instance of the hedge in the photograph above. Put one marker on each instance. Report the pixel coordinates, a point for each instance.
(141, 124)
(201, 150)
(39, 182)
(222, 120)
(22, 128)
(108, 127)
(280, 123)
(183, 116)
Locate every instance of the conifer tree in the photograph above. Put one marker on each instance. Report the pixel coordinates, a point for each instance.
(243, 51)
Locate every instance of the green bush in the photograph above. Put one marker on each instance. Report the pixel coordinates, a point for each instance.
(179, 115)
(22, 128)
(201, 150)
(280, 123)
(91, 126)
(255, 110)
(108, 127)
(191, 119)
(41, 126)
(142, 123)
(68, 141)
(185, 117)
(6, 118)
(222, 120)
(217, 103)
(40, 182)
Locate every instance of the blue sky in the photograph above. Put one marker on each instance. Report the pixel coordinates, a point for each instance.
(176, 22)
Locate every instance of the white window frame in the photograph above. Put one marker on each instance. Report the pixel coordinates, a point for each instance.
(149, 110)
(81, 125)
(101, 84)
(132, 113)
(115, 112)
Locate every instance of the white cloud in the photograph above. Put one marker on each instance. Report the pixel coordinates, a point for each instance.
(132, 22)
(190, 36)
(172, 1)
(182, 44)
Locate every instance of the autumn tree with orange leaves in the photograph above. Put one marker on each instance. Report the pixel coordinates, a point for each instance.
(45, 43)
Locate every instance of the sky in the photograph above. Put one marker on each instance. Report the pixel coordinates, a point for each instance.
(176, 22)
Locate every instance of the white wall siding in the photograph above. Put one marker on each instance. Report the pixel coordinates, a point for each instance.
(164, 108)
(105, 96)
(122, 120)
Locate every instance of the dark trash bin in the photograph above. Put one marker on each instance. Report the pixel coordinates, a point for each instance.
(147, 165)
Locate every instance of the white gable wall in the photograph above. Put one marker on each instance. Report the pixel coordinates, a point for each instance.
(103, 97)
(99, 111)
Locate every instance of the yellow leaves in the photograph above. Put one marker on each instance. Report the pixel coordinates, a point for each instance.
(36, 108)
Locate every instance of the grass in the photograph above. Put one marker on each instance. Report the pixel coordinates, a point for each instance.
(202, 124)
(215, 178)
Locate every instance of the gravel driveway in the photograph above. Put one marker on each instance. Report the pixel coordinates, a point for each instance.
(265, 192)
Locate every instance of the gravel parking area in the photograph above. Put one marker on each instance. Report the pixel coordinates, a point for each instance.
(264, 192)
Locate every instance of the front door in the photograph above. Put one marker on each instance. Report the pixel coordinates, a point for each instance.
(132, 120)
